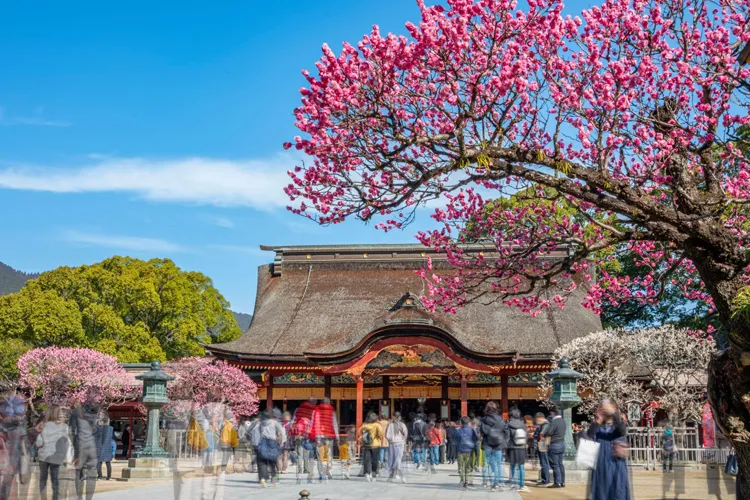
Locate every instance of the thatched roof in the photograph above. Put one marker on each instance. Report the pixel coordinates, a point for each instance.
(323, 300)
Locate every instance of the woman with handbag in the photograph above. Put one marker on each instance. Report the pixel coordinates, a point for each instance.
(609, 480)
(54, 449)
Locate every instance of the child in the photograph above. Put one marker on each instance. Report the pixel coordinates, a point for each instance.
(347, 450)
(466, 442)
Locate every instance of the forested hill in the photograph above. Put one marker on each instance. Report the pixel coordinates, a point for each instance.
(243, 320)
(11, 280)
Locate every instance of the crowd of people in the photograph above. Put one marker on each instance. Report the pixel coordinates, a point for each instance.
(476, 446)
(79, 438)
(81, 442)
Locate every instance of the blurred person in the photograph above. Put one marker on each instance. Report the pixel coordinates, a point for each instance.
(53, 449)
(14, 447)
(383, 451)
(229, 440)
(347, 451)
(556, 434)
(298, 436)
(83, 425)
(418, 439)
(443, 443)
(370, 437)
(325, 431)
(668, 449)
(104, 439)
(467, 440)
(495, 433)
(609, 480)
(396, 433)
(268, 439)
(125, 439)
(435, 440)
(517, 449)
(542, 447)
(476, 459)
(286, 423)
(450, 437)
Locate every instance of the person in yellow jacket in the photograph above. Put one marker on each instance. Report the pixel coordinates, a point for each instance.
(196, 436)
(229, 440)
(371, 438)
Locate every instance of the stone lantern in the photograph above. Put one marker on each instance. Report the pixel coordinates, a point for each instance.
(154, 398)
(565, 396)
(152, 461)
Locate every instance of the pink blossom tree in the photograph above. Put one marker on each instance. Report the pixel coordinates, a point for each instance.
(632, 113)
(202, 381)
(75, 376)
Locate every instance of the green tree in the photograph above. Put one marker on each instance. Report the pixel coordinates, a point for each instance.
(131, 309)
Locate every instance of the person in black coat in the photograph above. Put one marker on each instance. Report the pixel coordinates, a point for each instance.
(495, 435)
(517, 449)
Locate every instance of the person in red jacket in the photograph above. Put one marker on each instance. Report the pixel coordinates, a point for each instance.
(301, 427)
(436, 439)
(325, 430)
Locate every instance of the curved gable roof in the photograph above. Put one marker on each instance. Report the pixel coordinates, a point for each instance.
(327, 300)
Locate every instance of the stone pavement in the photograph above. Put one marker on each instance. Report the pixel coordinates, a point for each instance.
(441, 486)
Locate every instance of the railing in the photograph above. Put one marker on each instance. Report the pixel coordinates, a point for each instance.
(646, 447)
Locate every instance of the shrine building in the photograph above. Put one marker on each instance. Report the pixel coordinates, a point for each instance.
(346, 322)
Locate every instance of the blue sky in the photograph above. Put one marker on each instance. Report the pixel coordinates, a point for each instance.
(154, 129)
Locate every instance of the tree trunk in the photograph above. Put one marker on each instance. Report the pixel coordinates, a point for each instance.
(729, 371)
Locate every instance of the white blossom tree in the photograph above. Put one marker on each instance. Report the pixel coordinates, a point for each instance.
(666, 365)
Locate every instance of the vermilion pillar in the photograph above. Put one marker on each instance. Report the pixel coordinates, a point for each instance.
(360, 402)
(269, 391)
(464, 397)
(504, 395)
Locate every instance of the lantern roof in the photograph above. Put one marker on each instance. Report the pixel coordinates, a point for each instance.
(564, 371)
(155, 374)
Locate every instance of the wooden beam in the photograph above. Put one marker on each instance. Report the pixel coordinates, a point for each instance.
(360, 402)
(464, 397)
(504, 395)
(444, 388)
(327, 386)
(386, 386)
(269, 391)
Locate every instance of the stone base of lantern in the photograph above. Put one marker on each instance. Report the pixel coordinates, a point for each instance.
(575, 474)
(148, 468)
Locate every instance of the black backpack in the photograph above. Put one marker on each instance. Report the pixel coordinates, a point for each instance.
(495, 437)
(417, 431)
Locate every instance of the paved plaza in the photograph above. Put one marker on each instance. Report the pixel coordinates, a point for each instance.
(443, 485)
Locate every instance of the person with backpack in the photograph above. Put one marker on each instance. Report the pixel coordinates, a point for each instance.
(495, 435)
(542, 440)
(668, 449)
(517, 449)
(418, 439)
(396, 433)
(268, 438)
(370, 437)
(467, 441)
(556, 434)
(229, 440)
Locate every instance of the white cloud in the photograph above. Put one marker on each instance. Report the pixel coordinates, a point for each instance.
(219, 221)
(37, 119)
(210, 181)
(119, 242)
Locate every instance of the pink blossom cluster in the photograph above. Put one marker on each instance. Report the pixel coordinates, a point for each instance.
(486, 97)
(75, 376)
(201, 381)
